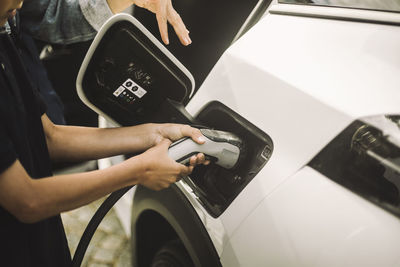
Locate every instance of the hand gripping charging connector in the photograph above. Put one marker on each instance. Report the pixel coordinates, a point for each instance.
(222, 148)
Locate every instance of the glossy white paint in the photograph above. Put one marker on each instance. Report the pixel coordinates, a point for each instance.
(312, 221)
(346, 65)
(214, 227)
(277, 109)
(302, 81)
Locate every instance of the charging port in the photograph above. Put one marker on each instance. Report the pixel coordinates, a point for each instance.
(215, 186)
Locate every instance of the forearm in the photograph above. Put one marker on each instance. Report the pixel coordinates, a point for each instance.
(70, 143)
(31, 200)
(67, 192)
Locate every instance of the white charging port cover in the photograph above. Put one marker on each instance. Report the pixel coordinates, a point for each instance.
(127, 73)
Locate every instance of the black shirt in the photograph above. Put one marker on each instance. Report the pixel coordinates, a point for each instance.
(22, 137)
(36, 70)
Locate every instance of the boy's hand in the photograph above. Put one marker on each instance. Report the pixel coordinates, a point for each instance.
(175, 132)
(159, 170)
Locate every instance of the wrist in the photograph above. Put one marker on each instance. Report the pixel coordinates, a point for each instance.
(154, 135)
(141, 168)
(141, 137)
(129, 172)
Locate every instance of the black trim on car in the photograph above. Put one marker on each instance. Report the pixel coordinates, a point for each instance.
(253, 18)
(363, 159)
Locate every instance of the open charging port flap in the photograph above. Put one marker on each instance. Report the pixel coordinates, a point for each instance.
(127, 74)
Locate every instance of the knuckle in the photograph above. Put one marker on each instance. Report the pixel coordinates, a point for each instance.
(197, 131)
(186, 128)
(175, 19)
(161, 17)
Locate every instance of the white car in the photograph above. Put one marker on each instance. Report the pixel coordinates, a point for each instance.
(313, 90)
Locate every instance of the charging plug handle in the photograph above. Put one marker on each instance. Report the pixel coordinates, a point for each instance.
(223, 148)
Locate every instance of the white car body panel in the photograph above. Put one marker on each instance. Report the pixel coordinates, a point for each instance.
(302, 81)
(312, 221)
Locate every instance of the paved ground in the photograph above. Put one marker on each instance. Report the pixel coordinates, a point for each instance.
(109, 246)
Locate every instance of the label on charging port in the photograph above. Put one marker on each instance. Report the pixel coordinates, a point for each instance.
(128, 89)
(134, 88)
(119, 91)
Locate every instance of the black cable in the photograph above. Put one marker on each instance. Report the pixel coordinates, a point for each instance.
(94, 223)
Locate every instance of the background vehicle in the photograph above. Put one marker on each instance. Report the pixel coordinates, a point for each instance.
(313, 90)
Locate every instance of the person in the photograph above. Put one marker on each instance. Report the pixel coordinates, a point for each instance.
(31, 199)
(66, 22)
(36, 70)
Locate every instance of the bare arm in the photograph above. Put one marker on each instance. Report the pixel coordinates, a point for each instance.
(71, 143)
(31, 200)
(74, 143)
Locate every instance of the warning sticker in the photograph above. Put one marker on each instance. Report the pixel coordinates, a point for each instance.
(134, 88)
(119, 91)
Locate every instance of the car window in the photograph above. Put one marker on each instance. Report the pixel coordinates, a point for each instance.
(386, 5)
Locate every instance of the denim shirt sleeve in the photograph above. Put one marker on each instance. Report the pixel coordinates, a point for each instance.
(64, 22)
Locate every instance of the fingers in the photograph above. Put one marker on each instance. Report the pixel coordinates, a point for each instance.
(193, 161)
(162, 19)
(186, 170)
(194, 133)
(198, 159)
(179, 27)
(166, 13)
